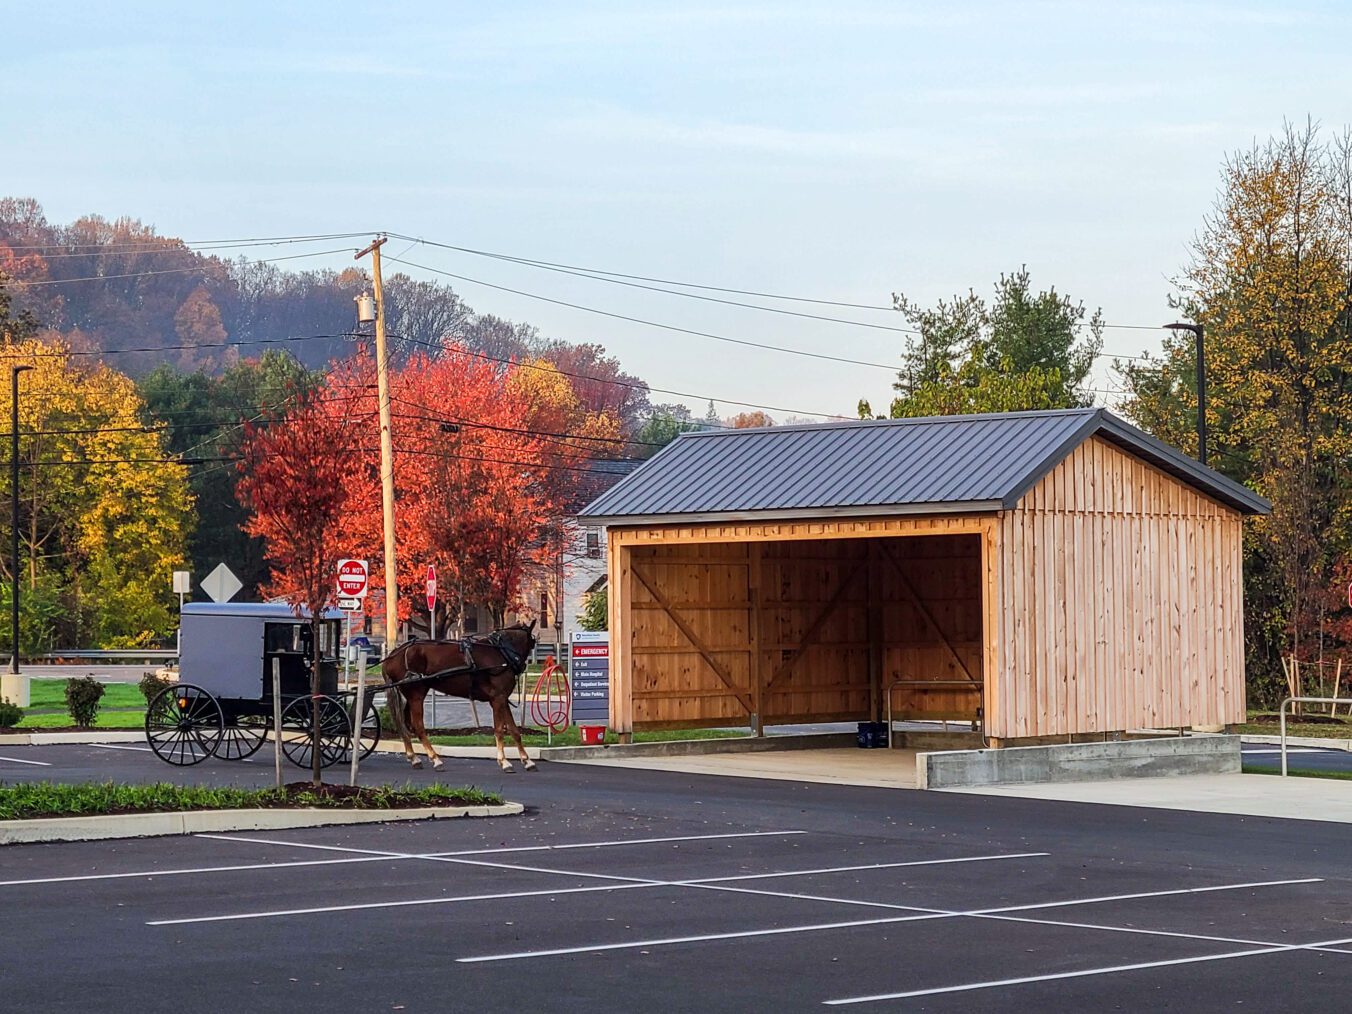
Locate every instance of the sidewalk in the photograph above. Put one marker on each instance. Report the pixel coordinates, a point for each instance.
(1254, 795)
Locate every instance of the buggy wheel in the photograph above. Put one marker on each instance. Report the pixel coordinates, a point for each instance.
(370, 728)
(184, 724)
(242, 737)
(335, 734)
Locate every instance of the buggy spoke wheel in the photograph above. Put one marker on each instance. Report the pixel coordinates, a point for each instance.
(184, 724)
(335, 735)
(242, 738)
(370, 728)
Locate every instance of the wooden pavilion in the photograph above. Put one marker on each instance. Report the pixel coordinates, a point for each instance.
(1042, 575)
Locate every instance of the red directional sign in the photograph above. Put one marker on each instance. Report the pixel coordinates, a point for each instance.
(353, 578)
(431, 587)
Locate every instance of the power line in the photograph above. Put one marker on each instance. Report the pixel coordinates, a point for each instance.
(171, 271)
(68, 353)
(206, 243)
(620, 278)
(651, 323)
(637, 386)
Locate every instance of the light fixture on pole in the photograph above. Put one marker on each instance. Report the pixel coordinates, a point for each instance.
(15, 685)
(1197, 332)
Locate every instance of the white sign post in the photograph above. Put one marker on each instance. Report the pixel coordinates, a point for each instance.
(354, 581)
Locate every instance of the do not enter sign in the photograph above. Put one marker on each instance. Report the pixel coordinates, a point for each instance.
(353, 578)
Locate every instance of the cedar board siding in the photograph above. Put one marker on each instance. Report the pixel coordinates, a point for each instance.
(795, 622)
(1120, 603)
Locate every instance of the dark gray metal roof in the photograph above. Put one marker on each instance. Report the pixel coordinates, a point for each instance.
(896, 466)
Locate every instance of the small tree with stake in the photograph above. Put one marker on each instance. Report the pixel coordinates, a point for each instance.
(296, 471)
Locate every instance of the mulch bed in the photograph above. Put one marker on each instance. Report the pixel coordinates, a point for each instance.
(1298, 720)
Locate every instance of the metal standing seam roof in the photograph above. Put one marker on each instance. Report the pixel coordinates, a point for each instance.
(930, 465)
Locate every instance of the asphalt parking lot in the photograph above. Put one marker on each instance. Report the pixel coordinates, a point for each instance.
(624, 889)
(1298, 758)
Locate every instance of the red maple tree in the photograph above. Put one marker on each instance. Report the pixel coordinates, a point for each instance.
(297, 471)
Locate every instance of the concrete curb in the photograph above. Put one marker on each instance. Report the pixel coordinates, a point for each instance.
(147, 825)
(697, 747)
(1079, 762)
(57, 738)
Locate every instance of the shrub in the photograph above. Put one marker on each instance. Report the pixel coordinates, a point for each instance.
(10, 713)
(82, 700)
(151, 684)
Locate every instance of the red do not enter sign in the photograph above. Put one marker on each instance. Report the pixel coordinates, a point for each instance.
(353, 578)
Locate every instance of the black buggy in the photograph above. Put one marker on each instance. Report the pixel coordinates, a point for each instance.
(222, 704)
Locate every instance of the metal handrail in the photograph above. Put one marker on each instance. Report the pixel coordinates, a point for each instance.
(97, 654)
(980, 689)
(1303, 700)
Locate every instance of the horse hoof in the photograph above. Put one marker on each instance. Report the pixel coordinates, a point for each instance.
(506, 768)
(530, 766)
(437, 765)
(415, 763)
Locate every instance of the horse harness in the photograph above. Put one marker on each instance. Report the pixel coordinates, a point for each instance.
(512, 661)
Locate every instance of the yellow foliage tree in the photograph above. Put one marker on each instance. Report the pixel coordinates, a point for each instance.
(104, 519)
(1271, 281)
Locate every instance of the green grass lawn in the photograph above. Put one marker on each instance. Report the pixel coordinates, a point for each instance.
(571, 737)
(1295, 727)
(47, 694)
(1346, 776)
(104, 720)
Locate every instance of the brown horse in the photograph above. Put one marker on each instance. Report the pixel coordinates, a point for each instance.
(477, 669)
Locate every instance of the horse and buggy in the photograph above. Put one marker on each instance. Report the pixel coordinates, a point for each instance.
(223, 703)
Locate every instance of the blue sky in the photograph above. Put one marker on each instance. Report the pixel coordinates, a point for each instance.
(842, 150)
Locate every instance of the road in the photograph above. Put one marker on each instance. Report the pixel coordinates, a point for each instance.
(641, 890)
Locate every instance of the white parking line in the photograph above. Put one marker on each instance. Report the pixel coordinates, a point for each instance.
(516, 848)
(925, 915)
(120, 746)
(363, 856)
(17, 760)
(615, 882)
(1082, 973)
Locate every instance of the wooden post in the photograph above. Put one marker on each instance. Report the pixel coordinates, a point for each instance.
(621, 625)
(754, 667)
(277, 717)
(874, 624)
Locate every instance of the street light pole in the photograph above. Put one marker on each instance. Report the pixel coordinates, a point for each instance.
(1198, 333)
(386, 447)
(14, 515)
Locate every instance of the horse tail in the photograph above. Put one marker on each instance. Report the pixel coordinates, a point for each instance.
(394, 697)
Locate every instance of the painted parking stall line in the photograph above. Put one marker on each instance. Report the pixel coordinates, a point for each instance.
(1251, 952)
(20, 760)
(922, 915)
(618, 883)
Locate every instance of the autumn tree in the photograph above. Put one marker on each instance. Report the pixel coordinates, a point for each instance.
(203, 415)
(1271, 282)
(750, 420)
(104, 515)
(296, 472)
(1022, 350)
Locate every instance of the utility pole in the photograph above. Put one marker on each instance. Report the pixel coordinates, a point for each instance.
(386, 446)
(16, 687)
(1198, 332)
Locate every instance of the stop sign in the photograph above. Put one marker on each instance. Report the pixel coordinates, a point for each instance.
(431, 587)
(353, 576)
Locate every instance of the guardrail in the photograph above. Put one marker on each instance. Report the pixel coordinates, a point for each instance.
(97, 655)
(1303, 700)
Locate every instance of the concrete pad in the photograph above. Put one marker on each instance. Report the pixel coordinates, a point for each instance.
(892, 769)
(1254, 795)
(146, 825)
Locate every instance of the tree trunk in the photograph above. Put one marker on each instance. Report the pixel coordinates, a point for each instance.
(315, 767)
